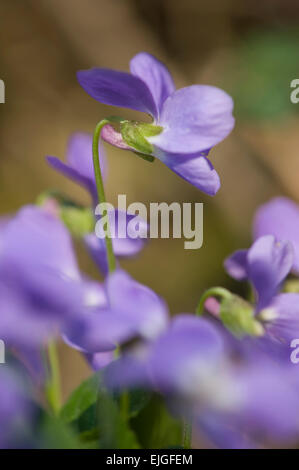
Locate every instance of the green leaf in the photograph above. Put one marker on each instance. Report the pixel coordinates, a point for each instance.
(96, 416)
(114, 430)
(82, 399)
(53, 433)
(155, 427)
(137, 400)
(89, 439)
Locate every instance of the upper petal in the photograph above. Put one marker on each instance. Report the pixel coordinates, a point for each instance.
(194, 119)
(155, 75)
(117, 89)
(279, 217)
(79, 162)
(197, 170)
(35, 238)
(236, 265)
(269, 262)
(79, 155)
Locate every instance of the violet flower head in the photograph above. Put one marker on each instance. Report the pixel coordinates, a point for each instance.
(186, 123)
(266, 265)
(279, 217)
(39, 278)
(127, 310)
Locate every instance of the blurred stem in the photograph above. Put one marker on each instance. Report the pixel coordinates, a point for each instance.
(101, 191)
(53, 387)
(125, 405)
(187, 433)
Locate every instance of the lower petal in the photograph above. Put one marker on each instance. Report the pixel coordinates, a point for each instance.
(197, 170)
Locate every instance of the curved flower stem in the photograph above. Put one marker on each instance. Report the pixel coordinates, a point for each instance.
(213, 292)
(101, 191)
(53, 387)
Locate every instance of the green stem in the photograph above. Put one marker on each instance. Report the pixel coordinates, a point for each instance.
(125, 405)
(53, 387)
(187, 433)
(101, 191)
(213, 292)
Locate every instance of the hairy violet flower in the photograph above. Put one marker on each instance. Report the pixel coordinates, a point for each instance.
(186, 123)
(266, 265)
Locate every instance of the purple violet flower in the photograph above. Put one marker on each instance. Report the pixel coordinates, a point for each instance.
(187, 123)
(40, 282)
(126, 310)
(266, 265)
(279, 217)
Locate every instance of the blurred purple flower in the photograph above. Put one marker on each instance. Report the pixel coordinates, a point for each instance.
(266, 265)
(279, 217)
(79, 165)
(15, 409)
(40, 283)
(126, 310)
(123, 247)
(232, 402)
(192, 120)
(79, 168)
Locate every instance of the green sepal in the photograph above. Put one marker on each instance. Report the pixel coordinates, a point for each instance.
(79, 222)
(78, 219)
(148, 158)
(134, 134)
(237, 315)
(149, 130)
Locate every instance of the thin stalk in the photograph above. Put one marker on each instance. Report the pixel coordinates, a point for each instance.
(101, 191)
(187, 434)
(53, 387)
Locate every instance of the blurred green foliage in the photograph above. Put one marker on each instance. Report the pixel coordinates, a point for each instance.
(265, 64)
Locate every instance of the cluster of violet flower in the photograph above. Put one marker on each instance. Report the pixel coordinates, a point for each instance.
(227, 374)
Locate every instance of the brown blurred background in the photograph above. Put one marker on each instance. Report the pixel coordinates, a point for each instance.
(248, 48)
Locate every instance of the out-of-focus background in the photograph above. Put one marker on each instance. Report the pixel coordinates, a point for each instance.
(248, 48)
